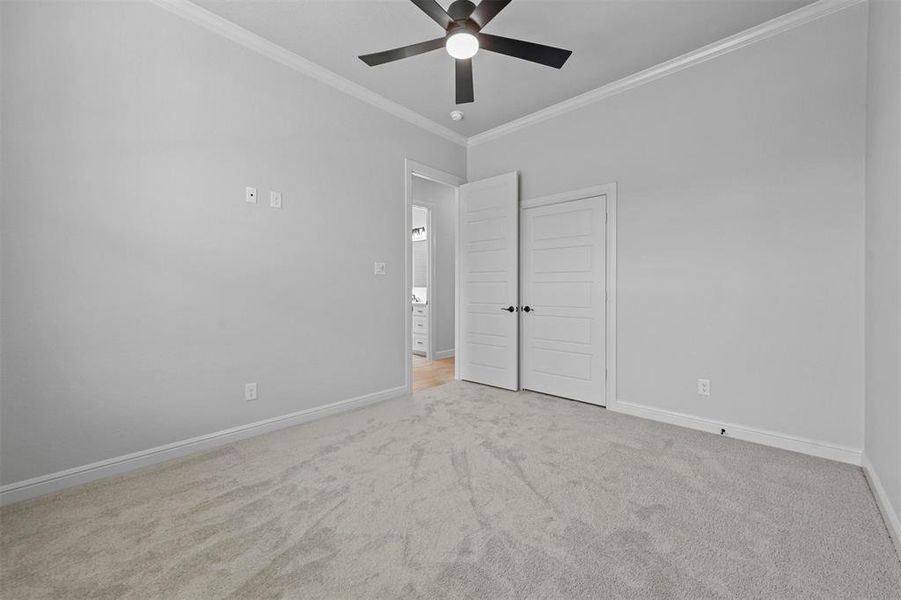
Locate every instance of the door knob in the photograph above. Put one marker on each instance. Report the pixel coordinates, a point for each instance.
(526, 309)
(509, 308)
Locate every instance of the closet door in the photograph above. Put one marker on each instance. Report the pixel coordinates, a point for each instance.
(563, 312)
(489, 281)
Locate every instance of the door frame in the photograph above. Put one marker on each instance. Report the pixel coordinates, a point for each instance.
(609, 192)
(411, 168)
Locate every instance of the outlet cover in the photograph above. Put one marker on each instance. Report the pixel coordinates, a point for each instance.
(275, 199)
(380, 268)
(250, 392)
(704, 387)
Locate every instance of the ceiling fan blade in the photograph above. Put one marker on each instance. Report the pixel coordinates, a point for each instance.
(538, 53)
(464, 80)
(434, 10)
(487, 10)
(379, 58)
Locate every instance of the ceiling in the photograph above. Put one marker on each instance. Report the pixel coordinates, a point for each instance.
(609, 39)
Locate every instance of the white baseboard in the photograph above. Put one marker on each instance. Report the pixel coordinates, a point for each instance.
(45, 484)
(741, 432)
(444, 354)
(891, 518)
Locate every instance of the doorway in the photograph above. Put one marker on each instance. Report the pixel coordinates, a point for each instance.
(432, 293)
(431, 276)
(534, 303)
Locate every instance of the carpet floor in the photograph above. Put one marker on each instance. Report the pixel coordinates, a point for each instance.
(462, 491)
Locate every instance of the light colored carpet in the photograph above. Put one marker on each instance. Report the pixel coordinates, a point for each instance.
(462, 491)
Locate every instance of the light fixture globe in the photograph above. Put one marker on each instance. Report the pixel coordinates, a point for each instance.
(462, 44)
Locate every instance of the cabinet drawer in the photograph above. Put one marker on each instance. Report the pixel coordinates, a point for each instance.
(420, 324)
(420, 310)
(420, 343)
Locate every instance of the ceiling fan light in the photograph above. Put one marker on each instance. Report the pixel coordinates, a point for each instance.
(462, 45)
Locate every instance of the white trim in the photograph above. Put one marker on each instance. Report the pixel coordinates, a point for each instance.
(441, 354)
(411, 168)
(610, 191)
(458, 310)
(781, 24)
(607, 190)
(581, 194)
(54, 482)
(749, 434)
(892, 522)
(225, 28)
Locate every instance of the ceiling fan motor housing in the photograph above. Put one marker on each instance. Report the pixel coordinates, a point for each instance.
(460, 10)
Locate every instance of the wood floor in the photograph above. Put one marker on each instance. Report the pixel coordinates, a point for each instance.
(428, 373)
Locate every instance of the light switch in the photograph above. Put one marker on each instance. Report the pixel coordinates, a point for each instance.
(250, 195)
(380, 268)
(275, 199)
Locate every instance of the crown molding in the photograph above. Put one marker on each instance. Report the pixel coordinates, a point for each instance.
(781, 24)
(225, 28)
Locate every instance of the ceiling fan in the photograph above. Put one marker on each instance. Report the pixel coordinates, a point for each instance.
(463, 22)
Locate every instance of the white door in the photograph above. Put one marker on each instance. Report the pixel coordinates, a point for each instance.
(489, 281)
(563, 314)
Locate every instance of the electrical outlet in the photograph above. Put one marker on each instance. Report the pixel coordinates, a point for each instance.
(250, 392)
(275, 199)
(250, 195)
(380, 268)
(704, 387)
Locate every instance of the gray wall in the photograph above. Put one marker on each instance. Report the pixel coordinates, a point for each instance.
(741, 222)
(883, 263)
(444, 227)
(140, 292)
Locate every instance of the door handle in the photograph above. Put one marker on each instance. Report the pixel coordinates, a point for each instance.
(509, 309)
(527, 309)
